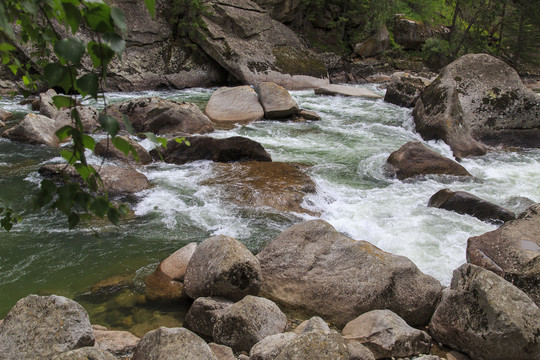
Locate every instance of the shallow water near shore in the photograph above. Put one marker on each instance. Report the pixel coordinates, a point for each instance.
(346, 152)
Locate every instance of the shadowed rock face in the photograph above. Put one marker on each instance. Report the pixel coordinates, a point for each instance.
(231, 149)
(414, 159)
(404, 89)
(278, 185)
(512, 251)
(465, 203)
(313, 269)
(478, 98)
(253, 47)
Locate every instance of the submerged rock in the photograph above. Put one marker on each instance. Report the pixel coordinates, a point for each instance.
(387, 335)
(464, 203)
(247, 322)
(313, 269)
(162, 116)
(486, 317)
(415, 159)
(36, 130)
(478, 98)
(161, 288)
(222, 266)
(234, 105)
(233, 149)
(512, 251)
(40, 327)
(346, 91)
(281, 186)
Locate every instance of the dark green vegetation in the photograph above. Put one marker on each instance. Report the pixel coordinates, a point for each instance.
(509, 29)
(51, 29)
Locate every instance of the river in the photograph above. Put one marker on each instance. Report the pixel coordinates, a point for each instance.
(346, 152)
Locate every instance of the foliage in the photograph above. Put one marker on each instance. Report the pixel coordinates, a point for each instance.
(51, 29)
(188, 15)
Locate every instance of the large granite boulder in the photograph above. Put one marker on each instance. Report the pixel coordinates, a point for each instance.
(373, 45)
(116, 180)
(478, 98)
(175, 266)
(276, 101)
(313, 269)
(404, 89)
(162, 116)
(346, 91)
(106, 149)
(36, 130)
(281, 186)
(387, 335)
(222, 266)
(315, 345)
(415, 159)
(247, 322)
(254, 48)
(233, 149)
(155, 57)
(512, 251)
(270, 347)
(204, 313)
(234, 105)
(486, 317)
(464, 203)
(40, 327)
(172, 343)
(86, 353)
(410, 34)
(284, 11)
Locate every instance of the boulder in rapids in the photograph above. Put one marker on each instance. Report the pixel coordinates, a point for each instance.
(4, 115)
(276, 101)
(478, 99)
(116, 180)
(314, 270)
(404, 89)
(36, 130)
(281, 186)
(415, 159)
(234, 105)
(106, 149)
(162, 116)
(512, 252)
(40, 327)
(486, 317)
(464, 203)
(254, 48)
(346, 91)
(233, 149)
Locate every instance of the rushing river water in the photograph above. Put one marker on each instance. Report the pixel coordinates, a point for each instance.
(347, 151)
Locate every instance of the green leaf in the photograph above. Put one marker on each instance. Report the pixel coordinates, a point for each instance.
(100, 207)
(88, 84)
(182, 140)
(58, 75)
(64, 132)
(73, 220)
(71, 49)
(119, 18)
(73, 16)
(113, 215)
(61, 101)
(100, 54)
(66, 197)
(109, 124)
(98, 17)
(115, 42)
(83, 199)
(151, 7)
(127, 124)
(69, 155)
(122, 144)
(46, 193)
(156, 139)
(89, 142)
